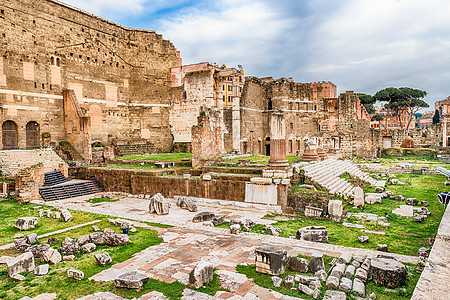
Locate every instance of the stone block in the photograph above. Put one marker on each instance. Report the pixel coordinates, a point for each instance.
(358, 199)
(298, 264)
(103, 259)
(313, 234)
(70, 248)
(131, 280)
(382, 247)
(83, 239)
(349, 271)
(41, 270)
(334, 295)
(338, 270)
(52, 256)
(235, 229)
(363, 239)
(322, 275)
(39, 250)
(75, 274)
(411, 201)
(159, 205)
(313, 212)
(289, 281)
(270, 260)
(316, 262)
(203, 216)
(66, 216)
(305, 279)
(26, 223)
(276, 281)
(387, 272)
(89, 247)
(261, 193)
(261, 180)
(335, 210)
(305, 289)
(201, 274)
(332, 282)
(346, 284)
(97, 238)
(345, 258)
(31, 238)
(359, 287)
(18, 264)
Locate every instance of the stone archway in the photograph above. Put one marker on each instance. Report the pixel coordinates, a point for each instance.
(32, 132)
(267, 146)
(9, 135)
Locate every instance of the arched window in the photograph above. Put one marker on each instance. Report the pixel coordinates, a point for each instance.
(269, 104)
(33, 135)
(9, 135)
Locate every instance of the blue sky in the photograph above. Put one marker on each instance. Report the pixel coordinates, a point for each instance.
(360, 45)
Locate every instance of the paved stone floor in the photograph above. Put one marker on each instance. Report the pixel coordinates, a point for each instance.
(188, 243)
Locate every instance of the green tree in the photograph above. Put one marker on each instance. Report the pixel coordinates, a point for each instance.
(436, 117)
(391, 96)
(412, 101)
(367, 101)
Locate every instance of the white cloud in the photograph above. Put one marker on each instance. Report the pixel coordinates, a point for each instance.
(250, 33)
(360, 45)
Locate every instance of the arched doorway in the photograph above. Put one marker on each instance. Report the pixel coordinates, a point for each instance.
(267, 145)
(9, 135)
(33, 135)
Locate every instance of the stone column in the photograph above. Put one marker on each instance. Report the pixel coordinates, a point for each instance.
(236, 125)
(277, 141)
(444, 133)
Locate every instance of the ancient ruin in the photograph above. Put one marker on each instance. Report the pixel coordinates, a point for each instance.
(125, 173)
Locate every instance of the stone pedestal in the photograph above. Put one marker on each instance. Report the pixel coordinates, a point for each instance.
(310, 155)
(270, 260)
(321, 153)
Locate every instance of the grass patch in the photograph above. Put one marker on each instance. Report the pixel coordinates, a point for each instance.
(403, 236)
(160, 157)
(11, 210)
(100, 200)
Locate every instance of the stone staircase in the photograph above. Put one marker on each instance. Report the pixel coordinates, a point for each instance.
(53, 178)
(12, 161)
(327, 173)
(69, 190)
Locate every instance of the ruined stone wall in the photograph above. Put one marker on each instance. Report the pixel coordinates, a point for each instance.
(121, 76)
(196, 92)
(311, 116)
(231, 190)
(28, 181)
(206, 141)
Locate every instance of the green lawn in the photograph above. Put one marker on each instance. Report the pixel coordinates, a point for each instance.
(57, 282)
(265, 280)
(11, 210)
(161, 156)
(403, 236)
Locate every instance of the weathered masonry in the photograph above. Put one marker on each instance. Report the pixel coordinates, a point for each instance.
(68, 75)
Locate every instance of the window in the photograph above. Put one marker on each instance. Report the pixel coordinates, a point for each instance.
(230, 88)
(230, 98)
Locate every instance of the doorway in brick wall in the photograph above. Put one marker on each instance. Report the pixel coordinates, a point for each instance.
(32, 135)
(9, 135)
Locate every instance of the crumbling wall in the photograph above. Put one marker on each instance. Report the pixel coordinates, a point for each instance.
(28, 181)
(206, 141)
(121, 76)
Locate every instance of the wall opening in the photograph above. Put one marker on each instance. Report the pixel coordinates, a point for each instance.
(9, 135)
(32, 132)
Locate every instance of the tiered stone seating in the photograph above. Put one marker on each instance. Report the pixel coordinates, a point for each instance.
(327, 173)
(12, 161)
